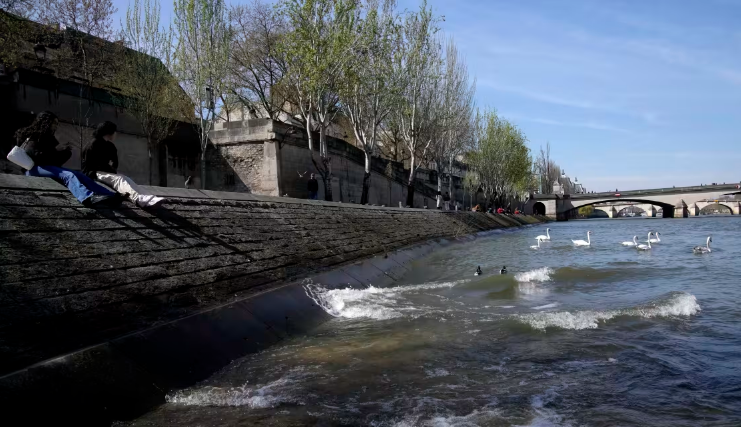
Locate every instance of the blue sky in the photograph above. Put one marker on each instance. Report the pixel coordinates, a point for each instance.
(630, 94)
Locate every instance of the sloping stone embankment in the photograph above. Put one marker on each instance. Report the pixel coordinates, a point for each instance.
(73, 276)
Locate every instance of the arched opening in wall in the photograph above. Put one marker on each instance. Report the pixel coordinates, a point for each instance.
(539, 208)
(598, 213)
(631, 212)
(716, 209)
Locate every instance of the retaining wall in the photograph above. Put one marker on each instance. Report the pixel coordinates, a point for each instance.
(103, 311)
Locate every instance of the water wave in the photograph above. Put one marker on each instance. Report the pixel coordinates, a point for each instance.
(256, 397)
(671, 305)
(372, 302)
(538, 275)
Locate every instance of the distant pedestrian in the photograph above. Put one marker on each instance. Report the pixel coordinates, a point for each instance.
(100, 162)
(313, 187)
(446, 201)
(188, 181)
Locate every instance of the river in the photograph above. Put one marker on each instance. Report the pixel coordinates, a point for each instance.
(571, 336)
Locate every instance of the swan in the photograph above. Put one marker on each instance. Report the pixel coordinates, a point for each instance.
(478, 271)
(703, 249)
(588, 242)
(538, 246)
(656, 240)
(643, 247)
(547, 235)
(633, 243)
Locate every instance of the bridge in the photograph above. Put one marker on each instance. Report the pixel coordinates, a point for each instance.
(675, 202)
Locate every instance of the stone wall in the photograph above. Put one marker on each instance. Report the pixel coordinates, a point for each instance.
(73, 276)
(235, 167)
(287, 164)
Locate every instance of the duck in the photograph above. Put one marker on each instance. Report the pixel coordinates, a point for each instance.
(538, 245)
(656, 240)
(478, 271)
(547, 235)
(633, 243)
(587, 242)
(703, 249)
(503, 270)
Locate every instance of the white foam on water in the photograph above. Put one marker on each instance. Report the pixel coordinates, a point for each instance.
(538, 275)
(251, 397)
(271, 395)
(372, 302)
(676, 304)
(543, 307)
(475, 418)
(437, 372)
(543, 415)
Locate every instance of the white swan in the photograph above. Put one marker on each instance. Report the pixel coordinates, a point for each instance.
(656, 240)
(703, 249)
(645, 247)
(583, 242)
(538, 246)
(547, 236)
(633, 243)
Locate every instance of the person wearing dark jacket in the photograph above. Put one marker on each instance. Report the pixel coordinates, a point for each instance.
(100, 162)
(42, 147)
(313, 187)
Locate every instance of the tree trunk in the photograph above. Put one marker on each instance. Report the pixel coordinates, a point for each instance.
(203, 170)
(326, 164)
(450, 181)
(439, 189)
(366, 180)
(149, 152)
(410, 183)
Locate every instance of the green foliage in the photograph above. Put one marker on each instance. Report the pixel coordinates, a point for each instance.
(500, 157)
(586, 210)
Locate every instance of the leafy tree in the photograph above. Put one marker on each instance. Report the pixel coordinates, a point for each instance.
(501, 158)
(417, 110)
(149, 92)
(201, 60)
(315, 49)
(369, 84)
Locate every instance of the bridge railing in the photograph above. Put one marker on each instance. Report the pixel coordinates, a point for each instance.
(634, 193)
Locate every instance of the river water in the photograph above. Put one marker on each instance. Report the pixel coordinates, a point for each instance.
(589, 336)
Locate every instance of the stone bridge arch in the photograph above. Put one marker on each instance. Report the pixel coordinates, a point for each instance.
(710, 207)
(571, 207)
(637, 210)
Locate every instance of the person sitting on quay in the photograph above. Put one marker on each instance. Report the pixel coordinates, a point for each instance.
(40, 144)
(100, 162)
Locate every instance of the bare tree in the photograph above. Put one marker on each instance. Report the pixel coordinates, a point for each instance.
(149, 92)
(369, 83)
(416, 111)
(201, 61)
(256, 67)
(548, 171)
(456, 112)
(88, 56)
